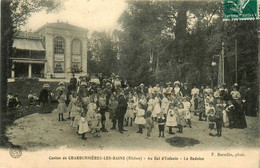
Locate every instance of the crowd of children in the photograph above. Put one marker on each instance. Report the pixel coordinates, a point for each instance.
(146, 107)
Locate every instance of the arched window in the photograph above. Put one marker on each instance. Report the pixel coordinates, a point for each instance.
(59, 55)
(76, 56)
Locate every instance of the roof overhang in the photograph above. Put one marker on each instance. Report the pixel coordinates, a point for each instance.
(28, 44)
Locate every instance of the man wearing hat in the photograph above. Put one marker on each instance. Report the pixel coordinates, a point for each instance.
(185, 90)
(102, 104)
(73, 82)
(43, 98)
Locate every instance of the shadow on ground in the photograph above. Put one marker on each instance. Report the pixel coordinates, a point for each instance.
(182, 141)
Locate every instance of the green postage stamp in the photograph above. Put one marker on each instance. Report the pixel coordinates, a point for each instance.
(240, 9)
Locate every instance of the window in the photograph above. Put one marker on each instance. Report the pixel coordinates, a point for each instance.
(59, 55)
(76, 56)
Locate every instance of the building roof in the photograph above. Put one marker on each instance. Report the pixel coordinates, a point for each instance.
(62, 25)
(28, 44)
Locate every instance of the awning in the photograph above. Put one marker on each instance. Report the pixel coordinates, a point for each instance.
(28, 44)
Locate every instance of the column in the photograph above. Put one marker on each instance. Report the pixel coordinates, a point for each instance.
(12, 72)
(68, 54)
(84, 55)
(258, 71)
(30, 70)
(49, 54)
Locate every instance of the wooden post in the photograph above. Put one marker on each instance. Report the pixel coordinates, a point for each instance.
(236, 58)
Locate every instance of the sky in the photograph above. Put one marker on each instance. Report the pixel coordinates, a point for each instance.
(94, 15)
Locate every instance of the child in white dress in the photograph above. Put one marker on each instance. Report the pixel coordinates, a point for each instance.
(187, 106)
(157, 107)
(165, 105)
(140, 118)
(130, 111)
(96, 123)
(83, 126)
(171, 118)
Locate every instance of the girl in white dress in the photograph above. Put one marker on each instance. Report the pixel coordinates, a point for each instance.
(165, 105)
(187, 106)
(130, 111)
(83, 126)
(140, 118)
(157, 108)
(73, 107)
(62, 108)
(150, 103)
(171, 118)
(79, 110)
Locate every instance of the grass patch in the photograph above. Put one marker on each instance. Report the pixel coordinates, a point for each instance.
(22, 90)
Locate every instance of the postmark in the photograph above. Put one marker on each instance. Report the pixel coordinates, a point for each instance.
(240, 10)
(15, 152)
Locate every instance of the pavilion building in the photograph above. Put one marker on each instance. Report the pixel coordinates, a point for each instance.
(55, 50)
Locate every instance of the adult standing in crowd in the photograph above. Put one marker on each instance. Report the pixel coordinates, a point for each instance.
(250, 104)
(185, 90)
(73, 82)
(43, 98)
(121, 110)
(102, 104)
(239, 115)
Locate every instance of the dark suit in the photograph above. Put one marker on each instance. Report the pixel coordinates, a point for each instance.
(120, 111)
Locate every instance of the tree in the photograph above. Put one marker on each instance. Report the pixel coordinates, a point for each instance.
(14, 13)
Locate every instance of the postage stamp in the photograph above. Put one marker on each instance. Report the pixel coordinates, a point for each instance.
(15, 152)
(240, 9)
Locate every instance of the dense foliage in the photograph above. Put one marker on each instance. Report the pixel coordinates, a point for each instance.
(166, 41)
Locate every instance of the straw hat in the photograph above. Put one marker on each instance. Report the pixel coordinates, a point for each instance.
(46, 85)
(83, 83)
(61, 83)
(177, 83)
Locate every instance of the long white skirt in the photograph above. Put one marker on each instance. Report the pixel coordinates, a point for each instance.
(83, 125)
(140, 120)
(156, 110)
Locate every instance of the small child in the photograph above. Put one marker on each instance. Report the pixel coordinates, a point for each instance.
(187, 106)
(219, 117)
(140, 118)
(165, 105)
(156, 108)
(149, 123)
(211, 119)
(79, 111)
(130, 111)
(180, 116)
(83, 126)
(161, 123)
(171, 118)
(96, 123)
(62, 108)
(72, 107)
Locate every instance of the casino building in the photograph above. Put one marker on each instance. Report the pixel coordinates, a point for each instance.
(55, 50)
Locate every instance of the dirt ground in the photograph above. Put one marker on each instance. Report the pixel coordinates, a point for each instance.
(43, 131)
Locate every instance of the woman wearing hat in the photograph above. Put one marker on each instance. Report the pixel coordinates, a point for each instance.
(43, 98)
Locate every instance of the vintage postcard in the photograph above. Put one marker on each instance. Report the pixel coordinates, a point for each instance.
(130, 83)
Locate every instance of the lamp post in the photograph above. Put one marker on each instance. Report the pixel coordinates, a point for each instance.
(213, 65)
